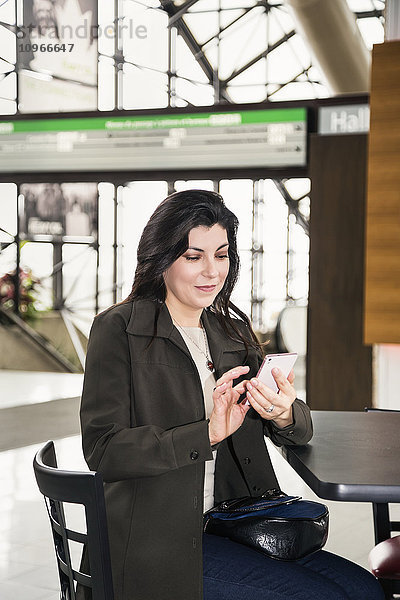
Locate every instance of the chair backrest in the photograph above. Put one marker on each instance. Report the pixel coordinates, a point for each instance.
(384, 559)
(84, 488)
(384, 563)
(291, 330)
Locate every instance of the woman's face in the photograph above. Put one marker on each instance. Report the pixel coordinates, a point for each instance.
(196, 277)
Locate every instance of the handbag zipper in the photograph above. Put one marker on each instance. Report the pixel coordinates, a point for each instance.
(249, 509)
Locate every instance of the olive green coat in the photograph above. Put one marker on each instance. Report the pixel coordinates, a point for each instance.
(144, 430)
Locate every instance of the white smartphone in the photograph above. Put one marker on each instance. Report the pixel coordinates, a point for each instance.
(284, 362)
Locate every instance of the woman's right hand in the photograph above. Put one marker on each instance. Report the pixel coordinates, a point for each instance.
(227, 415)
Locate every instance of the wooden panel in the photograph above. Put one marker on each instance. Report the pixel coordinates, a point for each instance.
(339, 367)
(382, 272)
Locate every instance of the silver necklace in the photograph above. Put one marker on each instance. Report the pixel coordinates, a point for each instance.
(209, 363)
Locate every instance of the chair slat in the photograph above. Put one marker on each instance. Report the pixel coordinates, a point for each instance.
(81, 578)
(75, 536)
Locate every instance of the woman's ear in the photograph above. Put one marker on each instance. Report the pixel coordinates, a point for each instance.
(165, 276)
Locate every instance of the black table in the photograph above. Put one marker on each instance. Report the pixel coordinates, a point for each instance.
(353, 457)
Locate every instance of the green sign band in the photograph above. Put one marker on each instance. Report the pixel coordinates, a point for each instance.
(213, 119)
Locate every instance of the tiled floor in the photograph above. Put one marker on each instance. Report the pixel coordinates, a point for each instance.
(27, 564)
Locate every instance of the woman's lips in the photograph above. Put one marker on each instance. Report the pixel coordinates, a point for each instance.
(205, 288)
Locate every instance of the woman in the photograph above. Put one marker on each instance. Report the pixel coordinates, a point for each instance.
(161, 421)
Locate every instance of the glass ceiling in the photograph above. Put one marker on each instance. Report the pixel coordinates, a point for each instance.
(237, 50)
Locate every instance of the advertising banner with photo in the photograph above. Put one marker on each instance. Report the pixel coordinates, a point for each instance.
(57, 55)
(58, 210)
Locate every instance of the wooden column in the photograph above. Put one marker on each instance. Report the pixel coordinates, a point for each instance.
(382, 275)
(339, 366)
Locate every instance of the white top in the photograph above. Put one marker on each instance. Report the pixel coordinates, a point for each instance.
(207, 379)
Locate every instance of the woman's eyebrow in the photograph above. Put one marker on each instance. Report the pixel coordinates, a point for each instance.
(200, 249)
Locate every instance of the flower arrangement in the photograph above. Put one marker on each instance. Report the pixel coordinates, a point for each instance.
(29, 286)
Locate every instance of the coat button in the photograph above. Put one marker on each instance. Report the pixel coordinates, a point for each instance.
(291, 432)
(194, 455)
(256, 489)
(247, 460)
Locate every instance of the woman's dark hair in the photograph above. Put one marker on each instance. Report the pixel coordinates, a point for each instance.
(166, 237)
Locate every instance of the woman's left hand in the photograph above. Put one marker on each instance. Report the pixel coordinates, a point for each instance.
(270, 405)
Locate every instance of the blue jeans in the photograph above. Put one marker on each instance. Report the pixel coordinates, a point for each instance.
(235, 572)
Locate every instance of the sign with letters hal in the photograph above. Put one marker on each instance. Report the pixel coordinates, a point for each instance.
(343, 119)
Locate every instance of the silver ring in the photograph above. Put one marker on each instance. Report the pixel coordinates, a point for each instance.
(270, 409)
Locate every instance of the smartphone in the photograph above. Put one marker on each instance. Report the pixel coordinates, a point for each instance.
(284, 362)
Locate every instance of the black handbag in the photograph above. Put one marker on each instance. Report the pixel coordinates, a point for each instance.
(283, 527)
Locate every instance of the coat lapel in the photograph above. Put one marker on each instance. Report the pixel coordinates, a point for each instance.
(142, 319)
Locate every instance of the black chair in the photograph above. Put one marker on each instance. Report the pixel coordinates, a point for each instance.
(84, 488)
(384, 525)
